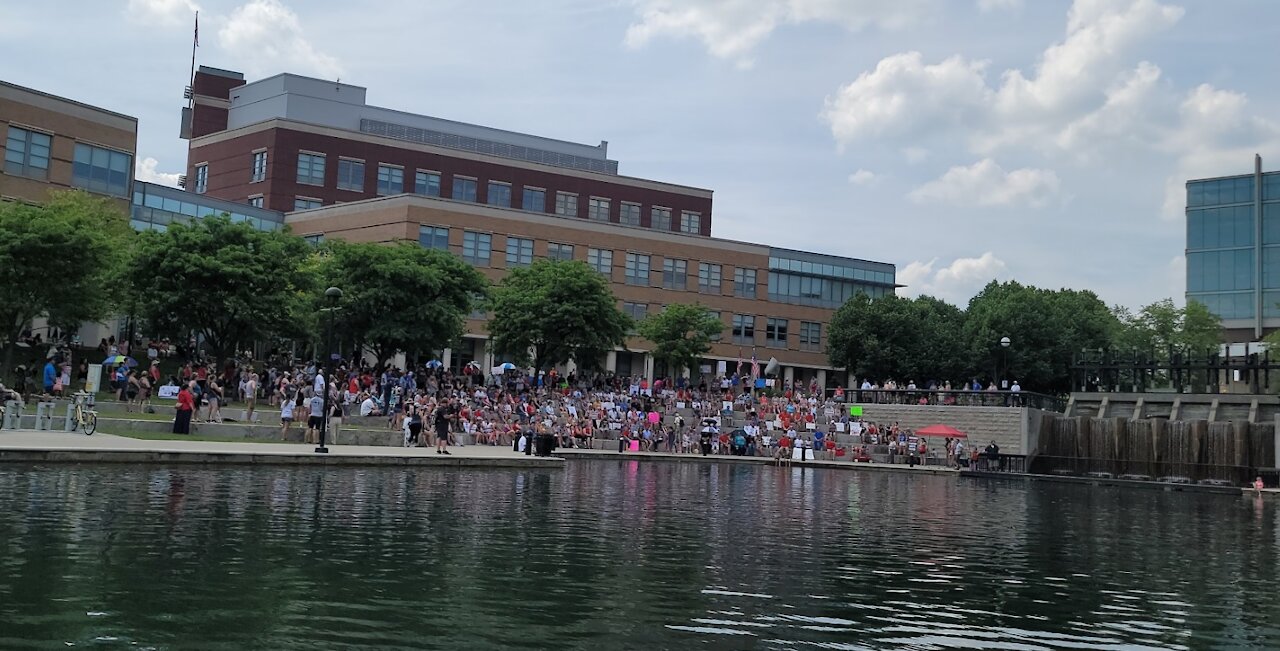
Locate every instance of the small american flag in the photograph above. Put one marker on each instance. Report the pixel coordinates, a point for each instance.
(755, 365)
(739, 362)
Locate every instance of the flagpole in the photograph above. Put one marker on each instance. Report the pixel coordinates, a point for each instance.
(195, 42)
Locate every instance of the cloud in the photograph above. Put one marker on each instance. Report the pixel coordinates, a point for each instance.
(985, 183)
(903, 95)
(144, 169)
(267, 37)
(915, 154)
(956, 282)
(162, 12)
(731, 29)
(863, 177)
(987, 6)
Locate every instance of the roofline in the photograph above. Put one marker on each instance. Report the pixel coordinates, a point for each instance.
(1229, 176)
(321, 129)
(221, 72)
(68, 100)
(410, 199)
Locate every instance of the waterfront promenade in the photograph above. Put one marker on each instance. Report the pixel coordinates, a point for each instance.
(30, 445)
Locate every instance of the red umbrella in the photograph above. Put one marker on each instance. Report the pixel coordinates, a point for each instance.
(942, 431)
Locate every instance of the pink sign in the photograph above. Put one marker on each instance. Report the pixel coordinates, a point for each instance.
(634, 446)
(653, 417)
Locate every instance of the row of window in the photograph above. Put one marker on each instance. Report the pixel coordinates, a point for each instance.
(743, 328)
(1233, 190)
(1231, 226)
(391, 180)
(97, 169)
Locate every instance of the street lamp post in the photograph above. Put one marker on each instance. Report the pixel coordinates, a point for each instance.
(332, 295)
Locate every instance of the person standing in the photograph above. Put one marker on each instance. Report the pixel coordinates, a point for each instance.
(442, 428)
(335, 414)
(286, 416)
(50, 376)
(250, 396)
(316, 421)
(182, 416)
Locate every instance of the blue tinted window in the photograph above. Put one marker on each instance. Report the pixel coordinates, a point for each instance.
(101, 170)
(1271, 223)
(1271, 187)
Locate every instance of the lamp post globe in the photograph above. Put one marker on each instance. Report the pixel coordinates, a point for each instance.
(1004, 342)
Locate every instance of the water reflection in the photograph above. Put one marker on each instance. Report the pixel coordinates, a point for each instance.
(622, 554)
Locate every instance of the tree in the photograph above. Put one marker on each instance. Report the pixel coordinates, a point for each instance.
(401, 297)
(554, 312)
(895, 337)
(228, 282)
(681, 334)
(1162, 325)
(62, 261)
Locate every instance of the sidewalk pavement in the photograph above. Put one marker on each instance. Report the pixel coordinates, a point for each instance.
(32, 445)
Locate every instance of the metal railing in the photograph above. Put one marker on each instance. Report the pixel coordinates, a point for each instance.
(1006, 463)
(954, 398)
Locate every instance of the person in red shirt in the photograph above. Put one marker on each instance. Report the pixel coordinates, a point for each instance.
(182, 417)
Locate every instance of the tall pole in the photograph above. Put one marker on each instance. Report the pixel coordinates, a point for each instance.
(195, 42)
(328, 377)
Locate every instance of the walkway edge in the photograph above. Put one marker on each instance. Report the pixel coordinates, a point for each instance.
(573, 453)
(1098, 481)
(28, 455)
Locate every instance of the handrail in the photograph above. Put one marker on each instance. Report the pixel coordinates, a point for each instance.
(953, 397)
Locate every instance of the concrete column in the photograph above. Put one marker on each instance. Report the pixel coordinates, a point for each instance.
(648, 366)
(788, 373)
(849, 381)
(611, 361)
(569, 367)
(822, 380)
(446, 356)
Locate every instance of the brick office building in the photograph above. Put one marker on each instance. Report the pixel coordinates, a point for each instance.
(498, 199)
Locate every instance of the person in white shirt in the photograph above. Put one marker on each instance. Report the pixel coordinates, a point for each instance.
(368, 407)
(1016, 387)
(866, 385)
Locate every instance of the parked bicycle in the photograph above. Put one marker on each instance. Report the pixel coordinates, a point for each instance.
(84, 416)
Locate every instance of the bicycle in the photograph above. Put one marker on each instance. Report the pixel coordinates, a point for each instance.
(84, 417)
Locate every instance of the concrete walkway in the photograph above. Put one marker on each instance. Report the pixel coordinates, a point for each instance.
(45, 446)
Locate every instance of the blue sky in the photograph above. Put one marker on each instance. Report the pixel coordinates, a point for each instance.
(963, 140)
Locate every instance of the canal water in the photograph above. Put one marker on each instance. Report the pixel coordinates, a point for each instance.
(622, 555)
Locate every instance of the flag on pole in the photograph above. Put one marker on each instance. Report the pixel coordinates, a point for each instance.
(197, 33)
(755, 365)
(739, 371)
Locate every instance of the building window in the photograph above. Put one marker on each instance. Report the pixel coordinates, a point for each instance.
(499, 194)
(202, 178)
(567, 204)
(636, 311)
(427, 183)
(26, 153)
(305, 203)
(433, 237)
(719, 335)
(775, 333)
(675, 273)
(637, 269)
(519, 252)
(350, 175)
(314, 240)
(534, 199)
(744, 329)
(601, 260)
(259, 166)
(557, 251)
(256, 201)
(390, 180)
(660, 219)
(598, 209)
(476, 248)
(744, 283)
(690, 222)
(629, 214)
(101, 170)
(311, 169)
(464, 189)
(709, 278)
(810, 335)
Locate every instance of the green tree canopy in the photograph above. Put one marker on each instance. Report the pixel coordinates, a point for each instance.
(229, 282)
(681, 334)
(1162, 325)
(900, 338)
(63, 260)
(401, 297)
(559, 310)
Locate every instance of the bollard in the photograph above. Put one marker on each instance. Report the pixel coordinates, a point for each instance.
(69, 425)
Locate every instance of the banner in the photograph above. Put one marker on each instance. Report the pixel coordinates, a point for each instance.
(721, 367)
(855, 410)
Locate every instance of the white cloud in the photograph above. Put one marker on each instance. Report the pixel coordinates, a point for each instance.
(266, 37)
(915, 154)
(956, 282)
(162, 12)
(863, 177)
(144, 169)
(731, 29)
(903, 95)
(987, 6)
(985, 183)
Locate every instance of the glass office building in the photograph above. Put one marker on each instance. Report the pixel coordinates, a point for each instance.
(1233, 248)
(156, 206)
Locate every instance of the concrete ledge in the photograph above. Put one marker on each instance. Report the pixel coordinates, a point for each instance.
(1095, 481)
(568, 453)
(89, 455)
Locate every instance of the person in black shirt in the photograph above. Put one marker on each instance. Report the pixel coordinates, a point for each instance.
(443, 414)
